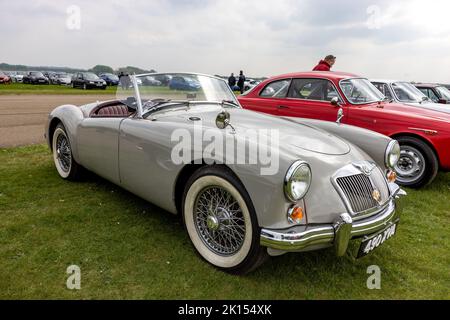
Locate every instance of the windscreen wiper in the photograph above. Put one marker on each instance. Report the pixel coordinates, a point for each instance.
(230, 102)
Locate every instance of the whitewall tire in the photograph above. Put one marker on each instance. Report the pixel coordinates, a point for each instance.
(221, 222)
(66, 166)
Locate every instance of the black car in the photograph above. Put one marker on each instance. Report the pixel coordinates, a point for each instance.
(88, 80)
(111, 79)
(436, 92)
(35, 77)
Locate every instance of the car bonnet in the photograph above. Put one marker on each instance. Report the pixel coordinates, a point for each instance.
(290, 134)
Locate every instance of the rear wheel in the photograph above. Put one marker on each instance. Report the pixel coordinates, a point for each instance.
(65, 164)
(418, 164)
(221, 221)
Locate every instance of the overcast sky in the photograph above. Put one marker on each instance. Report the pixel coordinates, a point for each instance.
(407, 39)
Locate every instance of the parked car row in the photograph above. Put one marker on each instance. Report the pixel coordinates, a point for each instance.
(79, 80)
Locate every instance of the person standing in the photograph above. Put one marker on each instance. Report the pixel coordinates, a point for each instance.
(232, 81)
(241, 81)
(325, 64)
(122, 80)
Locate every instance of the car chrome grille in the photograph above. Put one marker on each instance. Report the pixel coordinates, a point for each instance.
(358, 190)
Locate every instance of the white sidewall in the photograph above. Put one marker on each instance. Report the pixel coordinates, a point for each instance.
(61, 172)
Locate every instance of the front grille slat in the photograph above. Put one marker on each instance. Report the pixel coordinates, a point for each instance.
(365, 203)
(358, 190)
(369, 189)
(357, 194)
(360, 187)
(347, 190)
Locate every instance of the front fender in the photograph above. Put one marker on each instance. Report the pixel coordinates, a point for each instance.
(70, 116)
(372, 143)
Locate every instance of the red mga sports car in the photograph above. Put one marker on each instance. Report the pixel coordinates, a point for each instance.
(423, 134)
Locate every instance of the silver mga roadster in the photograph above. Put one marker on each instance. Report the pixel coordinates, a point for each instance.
(247, 185)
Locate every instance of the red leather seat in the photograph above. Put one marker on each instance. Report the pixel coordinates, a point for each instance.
(113, 111)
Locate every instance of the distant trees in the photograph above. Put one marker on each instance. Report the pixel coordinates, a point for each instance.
(20, 67)
(98, 69)
(131, 70)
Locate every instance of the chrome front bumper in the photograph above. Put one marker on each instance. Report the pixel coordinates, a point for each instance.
(302, 238)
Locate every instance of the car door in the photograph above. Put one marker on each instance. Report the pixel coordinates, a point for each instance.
(81, 80)
(98, 146)
(146, 168)
(311, 98)
(270, 98)
(76, 80)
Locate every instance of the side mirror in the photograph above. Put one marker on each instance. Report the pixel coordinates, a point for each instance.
(335, 102)
(223, 120)
(443, 101)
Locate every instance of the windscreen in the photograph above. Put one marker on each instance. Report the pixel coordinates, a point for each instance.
(176, 87)
(360, 91)
(406, 92)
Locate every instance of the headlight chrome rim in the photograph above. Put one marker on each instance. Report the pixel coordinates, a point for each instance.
(288, 180)
(391, 148)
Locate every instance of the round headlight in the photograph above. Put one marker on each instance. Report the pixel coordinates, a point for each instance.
(297, 181)
(392, 154)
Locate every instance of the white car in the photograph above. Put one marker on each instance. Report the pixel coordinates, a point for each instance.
(16, 76)
(250, 83)
(62, 78)
(406, 93)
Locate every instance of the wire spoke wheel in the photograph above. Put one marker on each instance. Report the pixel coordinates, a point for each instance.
(219, 220)
(65, 164)
(63, 152)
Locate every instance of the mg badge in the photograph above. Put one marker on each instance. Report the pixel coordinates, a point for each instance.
(365, 167)
(376, 195)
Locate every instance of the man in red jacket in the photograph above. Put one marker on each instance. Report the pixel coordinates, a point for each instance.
(325, 64)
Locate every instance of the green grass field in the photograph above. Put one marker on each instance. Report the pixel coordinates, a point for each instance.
(22, 89)
(127, 248)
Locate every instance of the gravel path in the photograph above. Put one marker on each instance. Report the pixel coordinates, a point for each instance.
(23, 117)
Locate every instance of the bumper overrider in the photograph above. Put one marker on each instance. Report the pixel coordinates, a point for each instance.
(339, 233)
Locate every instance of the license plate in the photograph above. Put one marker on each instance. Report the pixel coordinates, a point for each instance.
(370, 244)
(99, 84)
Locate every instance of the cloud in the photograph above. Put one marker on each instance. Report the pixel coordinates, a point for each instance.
(374, 38)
